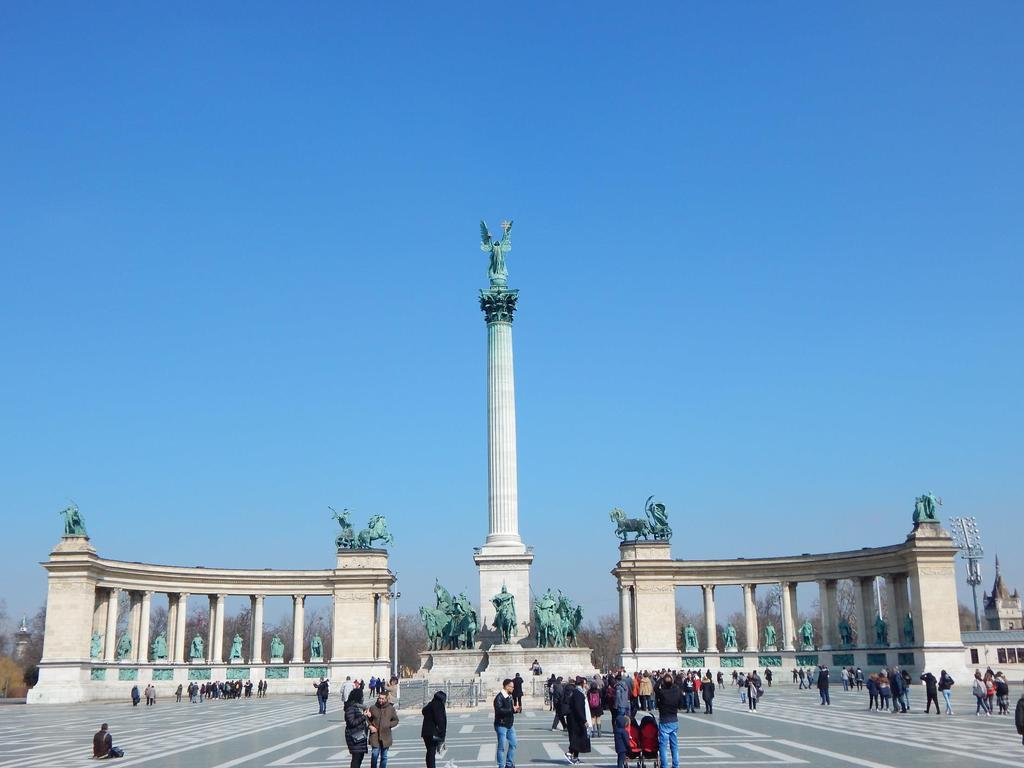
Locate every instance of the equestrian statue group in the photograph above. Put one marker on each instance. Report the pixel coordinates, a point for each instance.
(376, 530)
(653, 526)
(556, 621)
(452, 624)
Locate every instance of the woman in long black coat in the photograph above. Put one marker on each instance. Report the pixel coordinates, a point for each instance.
(579, 740)
(355, 726)
(435, 726)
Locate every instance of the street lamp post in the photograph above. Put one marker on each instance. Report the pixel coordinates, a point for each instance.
(967, 536)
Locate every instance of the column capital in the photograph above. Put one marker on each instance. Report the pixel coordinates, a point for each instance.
(498, 304)
(708, 587)
(299, 598)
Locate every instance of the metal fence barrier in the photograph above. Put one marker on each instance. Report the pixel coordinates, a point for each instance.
(416, 692)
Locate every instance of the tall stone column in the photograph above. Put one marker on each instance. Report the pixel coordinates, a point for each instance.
(298, 628)
(503, 560)
(180, 641)
(256, 639)
(788, 616)
(892, 610)
(750, 616)
(829, 620)
(134, 612)
(864, 597)
(626, 619)
(710, 620)
(902, 608)
(110, 636)
(172, 624)
(211, 628)
(382, 626)
(142, 651)
(217, 657)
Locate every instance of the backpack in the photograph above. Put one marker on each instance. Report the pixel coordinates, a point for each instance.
(594, 699)
(115, 752)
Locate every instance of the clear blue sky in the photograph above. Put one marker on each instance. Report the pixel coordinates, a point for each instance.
(770, 258)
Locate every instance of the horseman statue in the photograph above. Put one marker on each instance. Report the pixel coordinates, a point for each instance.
(557, 620)
(376, 530)
(504, 614)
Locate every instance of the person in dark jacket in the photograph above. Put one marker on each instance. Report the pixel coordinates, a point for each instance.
(896, 684)
(102, 741)
(667, 699)
(823, 685)
(557, 692)
(517, 690)
(435, 726)
(707, 692)
(505, 709)
(356, 726)
(579, 739)
(136, 698)
(322, 690)
(931, 690)
(1018, 718)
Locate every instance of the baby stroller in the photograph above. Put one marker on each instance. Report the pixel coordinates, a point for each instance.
(633, 752)
(648, 741)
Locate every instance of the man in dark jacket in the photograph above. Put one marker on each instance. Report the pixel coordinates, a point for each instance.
(823, 685)
(505, 709)
(931, 690)
(897, 685)
(575, 701)
(102, 741)
(435, 726)
(322, 690)
(517, 690)
(557, 693)
(667, 700)
(1018, 718)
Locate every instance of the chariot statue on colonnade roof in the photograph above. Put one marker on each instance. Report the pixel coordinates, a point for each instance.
(653, 526)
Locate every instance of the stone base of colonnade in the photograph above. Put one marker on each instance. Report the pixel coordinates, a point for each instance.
(73, 682)
(914, 659)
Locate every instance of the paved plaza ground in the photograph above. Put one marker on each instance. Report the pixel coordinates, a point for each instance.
(790, 728)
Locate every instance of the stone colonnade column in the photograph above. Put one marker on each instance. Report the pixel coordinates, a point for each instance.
(211, 627)
(710, 620)
(864, 598)
(180, 641)
(788, 590)
(382, 625)
(298, 626)
(218, 631)
(172, 624)
(110, 635)
(902, 607)
(829, 622)
(626, 619)
(892, 610)
(142, 651)
(750, 616)
(134, 609)
(256, 639)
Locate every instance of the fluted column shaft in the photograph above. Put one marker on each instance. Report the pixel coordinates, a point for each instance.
(142, 651)
(502, 474)
(864, 596)
(298, 627)
(179, 632)
(110, 636)
(211, 628)
(172, 624)
(256, 641)
(788, 617)
(750, 615)
(710, 620)
(382, 626)
(217, 657)
(626, 619)
(892, 610)
(829, 620)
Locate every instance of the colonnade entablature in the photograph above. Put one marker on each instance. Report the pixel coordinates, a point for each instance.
(919, 620)
(83, 649)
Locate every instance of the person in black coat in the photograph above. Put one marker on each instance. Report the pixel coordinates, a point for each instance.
(931, 690)
(823, 685)
(435, 726)
(356, 726)
(517, 690)
(557, 692)
(579, 739)
(707, 692)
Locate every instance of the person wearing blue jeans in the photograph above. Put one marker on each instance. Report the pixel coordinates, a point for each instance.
(667, 700)
(381, 718)
(504, 725)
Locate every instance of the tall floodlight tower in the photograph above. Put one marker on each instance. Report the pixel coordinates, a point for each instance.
(966, 535)
(503, 560)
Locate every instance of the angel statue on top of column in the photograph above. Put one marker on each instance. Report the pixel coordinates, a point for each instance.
(497, 249)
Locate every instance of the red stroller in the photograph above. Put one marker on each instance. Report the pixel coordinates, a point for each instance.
(633, 752)
(648, 741)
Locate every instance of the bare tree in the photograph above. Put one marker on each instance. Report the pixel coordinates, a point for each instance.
(318, 622)
(196, 623)
(967, 623)
(5, 638)
(604, 639)
(412, 641)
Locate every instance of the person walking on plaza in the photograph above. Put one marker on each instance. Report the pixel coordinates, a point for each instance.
(623, 689)
(803, 679)
(707, 692)
(323, 689)
(1018, 717)
(896, 684)
(872, 692)
(646, 693)
(435, 726)
(667, 701)
(945, 687)
(858, 677)
(980, 694)
(596, 708)
(1002, 694)
(557, 693)
(753, 691)
(505, 709)
(768, 677)
(356, 726)
(136, 698)
(102, 742)
(517, 690)
(619, 724)
(931, 691)
(578, 719)
(823, 685)
(884, 691)
(382, 718)
(177, 694)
